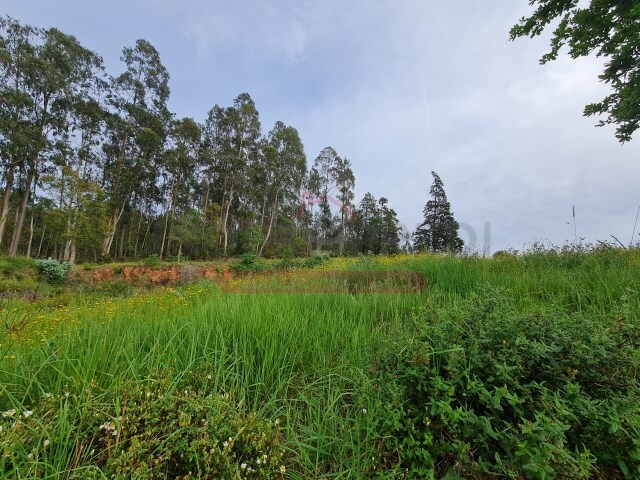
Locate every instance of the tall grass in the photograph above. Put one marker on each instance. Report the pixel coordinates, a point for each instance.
(302, 359)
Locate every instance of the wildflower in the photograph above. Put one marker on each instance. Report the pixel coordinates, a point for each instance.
(209, 377)
(47, 395)
(243, 466)
(364, 410)
(283, 469)
(225, 444)
(30, 456)
(46, 443)
(9, 413)
(258, 461)
(27, 413)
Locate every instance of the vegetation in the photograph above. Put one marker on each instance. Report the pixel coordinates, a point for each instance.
(95, 167)
(523, 366)
(439, 231)
(607, 28)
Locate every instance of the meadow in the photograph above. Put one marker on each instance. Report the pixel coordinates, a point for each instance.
(517, 366)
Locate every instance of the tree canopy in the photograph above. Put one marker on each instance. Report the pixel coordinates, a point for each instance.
(95, 166)
(607, 28)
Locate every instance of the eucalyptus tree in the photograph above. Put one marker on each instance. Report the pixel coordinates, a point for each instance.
(47, 70)
(345, 183)
(137, 130)
(325, 166)
(17, 47)
(286, 165)
(179, 172)
(233, 136)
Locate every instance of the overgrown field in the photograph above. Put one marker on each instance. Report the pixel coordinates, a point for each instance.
(512, 367)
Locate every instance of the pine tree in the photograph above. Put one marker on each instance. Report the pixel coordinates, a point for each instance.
(439, 231)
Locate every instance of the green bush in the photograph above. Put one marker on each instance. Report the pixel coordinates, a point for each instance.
(249, 263)
(154, 430)
(316, 258)
(53, 270)
(152, 260)
(488, 390)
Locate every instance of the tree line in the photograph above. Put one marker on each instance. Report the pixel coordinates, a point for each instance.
(95, 166)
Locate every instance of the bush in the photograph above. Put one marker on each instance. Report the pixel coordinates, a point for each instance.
(156, 430)
(249, 263)
(316, 258)
(489, 390)
(53, 270)
(152, 260)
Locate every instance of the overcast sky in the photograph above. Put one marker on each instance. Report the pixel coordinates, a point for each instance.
(400, 88)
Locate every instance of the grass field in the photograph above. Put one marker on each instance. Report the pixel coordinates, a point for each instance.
(513, 367)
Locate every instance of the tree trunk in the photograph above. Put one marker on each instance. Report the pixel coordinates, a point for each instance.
(30, 237)
(111, 229)
(271, 218)
(6, 196)
(225, 227)
(121, 244)
(44, 229)
(17, 232)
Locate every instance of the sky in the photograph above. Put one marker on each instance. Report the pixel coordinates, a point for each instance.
(400, 88)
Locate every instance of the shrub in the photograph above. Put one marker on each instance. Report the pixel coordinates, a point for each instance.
(316, 258)
(152, 260)
(489, 390)
(156, 430)
(53, 270)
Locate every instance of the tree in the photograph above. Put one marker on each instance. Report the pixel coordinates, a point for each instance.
(439, 231)
(179, 174)
(368, 225)
(232, 136)
(137, 130)
(389, 228)
(44, 72)
(285, 166)
(345, 181)
(610, 28)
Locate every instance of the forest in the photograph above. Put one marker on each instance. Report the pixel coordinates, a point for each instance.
(95, 166)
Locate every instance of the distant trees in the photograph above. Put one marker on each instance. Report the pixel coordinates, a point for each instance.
(96, 167)
(376, 227)
(439, 230)
(608, 28)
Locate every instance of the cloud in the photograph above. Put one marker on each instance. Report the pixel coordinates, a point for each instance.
(400, 88)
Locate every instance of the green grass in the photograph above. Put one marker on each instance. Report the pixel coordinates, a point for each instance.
(309, 361)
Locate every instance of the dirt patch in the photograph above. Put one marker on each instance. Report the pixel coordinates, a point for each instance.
(102, 275)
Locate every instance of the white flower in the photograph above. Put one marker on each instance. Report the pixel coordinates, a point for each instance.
(0, 428)
(277, 422)
(225, 444)
(46, 443)
(30, 456)
(27, 413)
(243, 466)
(209, 377)
(9, 413)
(283, 469)
(364, 410)
(258, 461)
(47, 395)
